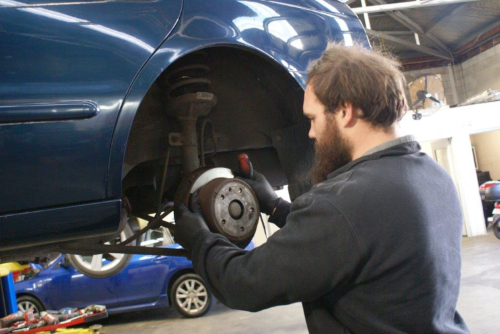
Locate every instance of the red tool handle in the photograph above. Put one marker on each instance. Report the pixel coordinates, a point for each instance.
(245, 166)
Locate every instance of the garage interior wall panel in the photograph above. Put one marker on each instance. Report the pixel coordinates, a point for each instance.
(426, 147)
(481, 72)
(488, 152)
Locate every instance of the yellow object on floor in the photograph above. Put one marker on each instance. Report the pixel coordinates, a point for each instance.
(94, 329)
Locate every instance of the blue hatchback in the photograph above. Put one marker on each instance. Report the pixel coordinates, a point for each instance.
(147, 282)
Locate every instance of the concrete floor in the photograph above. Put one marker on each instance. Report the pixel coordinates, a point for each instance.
(478, 303)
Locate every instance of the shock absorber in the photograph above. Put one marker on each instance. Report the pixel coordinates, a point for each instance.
(189, 98)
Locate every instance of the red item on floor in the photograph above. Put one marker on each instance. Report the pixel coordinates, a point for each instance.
(29, 317)
(69, 323)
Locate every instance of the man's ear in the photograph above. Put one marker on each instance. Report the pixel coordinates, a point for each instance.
(347, 115)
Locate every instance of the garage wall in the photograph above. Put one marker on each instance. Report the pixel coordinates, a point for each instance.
(488, 152)
(471, 77)
(427, 148)
(480, 73)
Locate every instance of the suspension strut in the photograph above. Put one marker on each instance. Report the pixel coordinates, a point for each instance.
(189, 98)
(229, 205)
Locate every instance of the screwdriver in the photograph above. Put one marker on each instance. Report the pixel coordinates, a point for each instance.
(245, 166)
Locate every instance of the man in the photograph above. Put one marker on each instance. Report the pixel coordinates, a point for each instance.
(374, 247)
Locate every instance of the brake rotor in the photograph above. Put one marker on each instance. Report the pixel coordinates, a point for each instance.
(229, 206)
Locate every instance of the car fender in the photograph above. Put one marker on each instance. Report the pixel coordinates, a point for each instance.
(35, 286)
(30, 289)
(286, 34)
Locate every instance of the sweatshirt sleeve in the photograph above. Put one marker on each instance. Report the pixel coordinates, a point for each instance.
(281, 212)
(312, 254)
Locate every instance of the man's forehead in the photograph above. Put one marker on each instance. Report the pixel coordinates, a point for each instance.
(309, 91)
(310, 101)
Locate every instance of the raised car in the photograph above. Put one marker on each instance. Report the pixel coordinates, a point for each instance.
(106, 106)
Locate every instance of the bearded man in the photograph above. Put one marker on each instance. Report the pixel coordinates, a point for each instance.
(374, 246)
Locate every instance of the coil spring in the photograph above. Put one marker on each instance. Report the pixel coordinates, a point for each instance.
(188, 79)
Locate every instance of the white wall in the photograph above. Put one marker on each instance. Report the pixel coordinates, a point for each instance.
(488, 152)
(468, 188)
(427, 148)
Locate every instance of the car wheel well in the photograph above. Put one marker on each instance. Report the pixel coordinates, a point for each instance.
(25, 294)
(21, 294)
(174, 278)
(255, 97)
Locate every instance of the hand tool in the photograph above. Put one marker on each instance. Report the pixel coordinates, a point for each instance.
(245, 166)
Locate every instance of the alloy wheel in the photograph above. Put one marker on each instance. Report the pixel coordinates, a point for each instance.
(25, 305)
(191, 296)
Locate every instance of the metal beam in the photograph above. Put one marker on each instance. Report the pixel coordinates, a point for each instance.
(368, 25)
(349, 2)
(405, 5)
(397, 32)
(85, 248)
(410, 45)
(415, 27)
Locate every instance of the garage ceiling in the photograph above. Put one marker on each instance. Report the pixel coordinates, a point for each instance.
(450, 32)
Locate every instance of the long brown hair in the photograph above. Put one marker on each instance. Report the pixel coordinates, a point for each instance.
(368, 79)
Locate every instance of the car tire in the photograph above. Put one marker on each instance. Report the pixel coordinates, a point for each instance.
(84, 264)
(190, 296)
(25, 302)
(496, 228)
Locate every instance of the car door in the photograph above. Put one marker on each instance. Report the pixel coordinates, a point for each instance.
(70, 288)
(142, 281)
(65, 69)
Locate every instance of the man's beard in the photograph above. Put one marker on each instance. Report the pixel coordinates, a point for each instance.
(331, 152)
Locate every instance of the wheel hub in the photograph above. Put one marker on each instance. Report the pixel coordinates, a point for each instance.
(236, 209)
(229, 205)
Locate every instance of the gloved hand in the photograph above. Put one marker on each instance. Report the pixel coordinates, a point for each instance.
(187, 225)
(265, 193)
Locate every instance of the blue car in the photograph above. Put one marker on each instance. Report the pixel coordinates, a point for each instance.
(147, 282)
(107, 106)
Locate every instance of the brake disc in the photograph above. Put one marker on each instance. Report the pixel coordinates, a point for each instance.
(229, 206)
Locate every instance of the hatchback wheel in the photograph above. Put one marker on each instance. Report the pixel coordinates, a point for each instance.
(24, 303)
(105, 265)
(190, 296)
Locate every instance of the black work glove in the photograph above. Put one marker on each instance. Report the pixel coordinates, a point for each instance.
(265, 193)
(187, 225)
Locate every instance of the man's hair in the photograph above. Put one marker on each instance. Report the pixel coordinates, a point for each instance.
(365, 78)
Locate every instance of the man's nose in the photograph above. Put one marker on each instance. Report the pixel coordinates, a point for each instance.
(312, 135)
